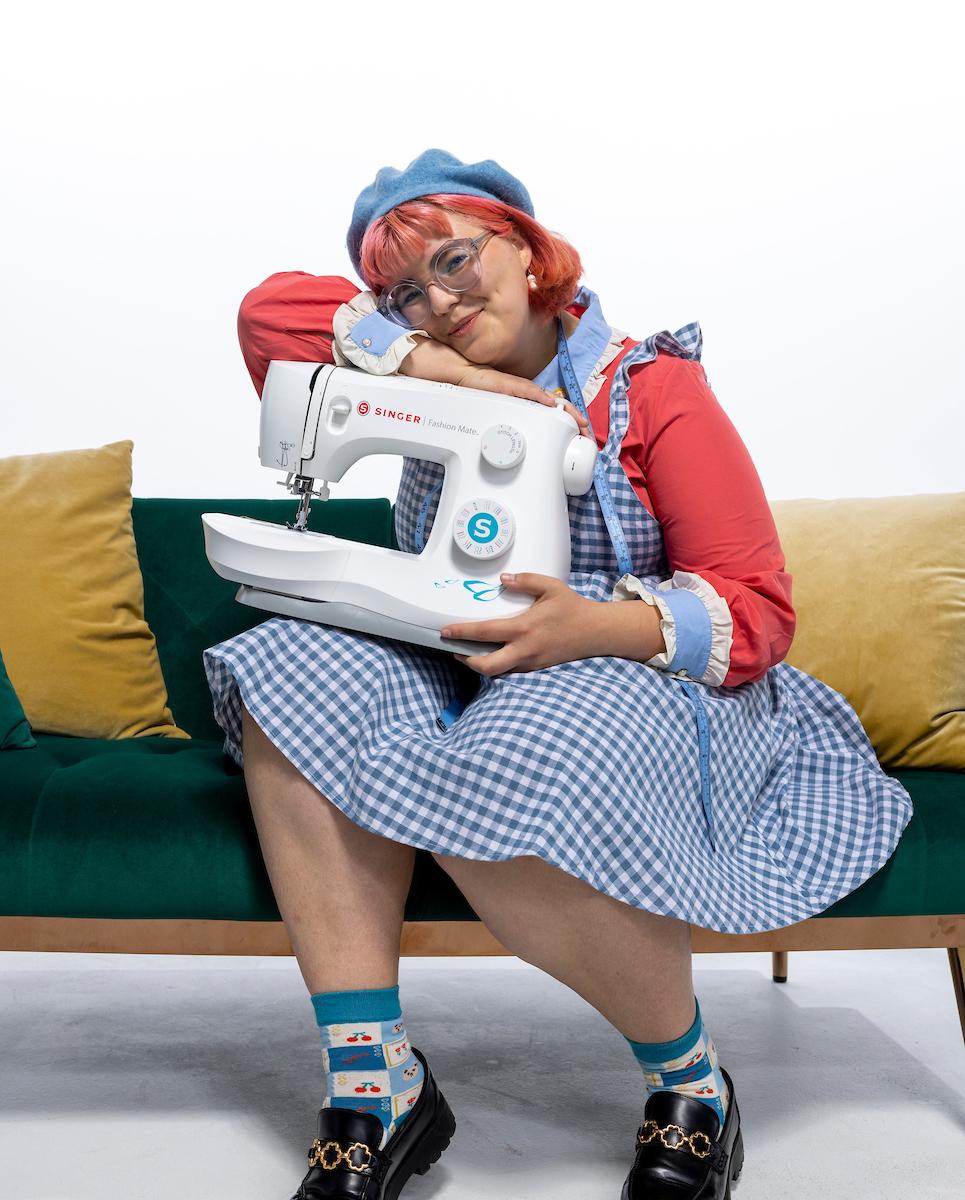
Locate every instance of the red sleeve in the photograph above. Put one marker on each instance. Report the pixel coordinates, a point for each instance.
(689, 466)
(289, 317)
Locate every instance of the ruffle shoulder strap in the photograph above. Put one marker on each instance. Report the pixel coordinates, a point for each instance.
(687, 343)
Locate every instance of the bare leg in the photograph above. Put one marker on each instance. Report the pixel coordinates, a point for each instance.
(341, 890)
(632, 966)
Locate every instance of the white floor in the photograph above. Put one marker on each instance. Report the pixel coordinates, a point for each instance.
(195, 1079)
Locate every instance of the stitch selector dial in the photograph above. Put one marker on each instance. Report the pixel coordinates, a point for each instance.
(484, 528)
(503, 446)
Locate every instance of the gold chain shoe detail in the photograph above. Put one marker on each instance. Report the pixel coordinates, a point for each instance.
(331, 1156)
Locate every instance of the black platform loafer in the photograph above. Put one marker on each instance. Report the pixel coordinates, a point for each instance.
(682, 1152)
(345, 1162)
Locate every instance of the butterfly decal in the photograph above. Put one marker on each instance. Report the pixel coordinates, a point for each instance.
(483, 591)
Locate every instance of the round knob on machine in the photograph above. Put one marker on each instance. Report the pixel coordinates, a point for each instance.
(484, 528)
(578, 463)
(503, 446)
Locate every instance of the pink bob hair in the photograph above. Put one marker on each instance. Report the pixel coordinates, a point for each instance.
(402, 233)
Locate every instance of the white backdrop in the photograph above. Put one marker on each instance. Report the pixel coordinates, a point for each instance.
(788, 174)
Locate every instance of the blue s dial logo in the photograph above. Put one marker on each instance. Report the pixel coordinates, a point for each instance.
(484, 528)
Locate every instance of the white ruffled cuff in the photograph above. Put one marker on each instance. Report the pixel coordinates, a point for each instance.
(630, 588)
(721, 623)
(366, 339)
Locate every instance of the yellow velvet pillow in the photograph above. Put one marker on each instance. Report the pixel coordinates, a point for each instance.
(879, 589)
(77, 648)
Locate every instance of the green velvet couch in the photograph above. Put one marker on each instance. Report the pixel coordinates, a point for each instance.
(147, 844)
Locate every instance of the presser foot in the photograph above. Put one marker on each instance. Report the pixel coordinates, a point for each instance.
(304, 488)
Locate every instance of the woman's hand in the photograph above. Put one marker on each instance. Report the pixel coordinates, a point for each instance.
(561, 626)
(433, 360)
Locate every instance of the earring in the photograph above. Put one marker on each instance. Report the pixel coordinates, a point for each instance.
(531, 280)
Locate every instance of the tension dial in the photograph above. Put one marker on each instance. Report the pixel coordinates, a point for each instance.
(503, 446)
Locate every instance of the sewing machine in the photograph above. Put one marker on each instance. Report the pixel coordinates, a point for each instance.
(509, 465)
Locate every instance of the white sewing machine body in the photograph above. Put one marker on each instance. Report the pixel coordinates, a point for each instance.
(509, 465)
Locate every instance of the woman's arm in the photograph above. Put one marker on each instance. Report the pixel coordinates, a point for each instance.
(726, 615)
(290, 317)
(689, 464)
(561, 626)
(436, 361)
(298, 317)
(366, 339)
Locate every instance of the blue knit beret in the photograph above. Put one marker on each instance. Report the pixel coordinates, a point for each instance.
(433, 173)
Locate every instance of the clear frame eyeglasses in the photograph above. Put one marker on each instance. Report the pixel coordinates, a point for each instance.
(455, 267)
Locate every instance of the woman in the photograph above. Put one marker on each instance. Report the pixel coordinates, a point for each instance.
(623, 768)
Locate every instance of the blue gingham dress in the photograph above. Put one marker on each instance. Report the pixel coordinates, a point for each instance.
(593, 766)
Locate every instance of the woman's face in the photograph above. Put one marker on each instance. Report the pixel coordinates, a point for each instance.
(492, 323)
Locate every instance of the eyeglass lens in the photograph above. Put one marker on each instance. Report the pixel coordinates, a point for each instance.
(456, 268)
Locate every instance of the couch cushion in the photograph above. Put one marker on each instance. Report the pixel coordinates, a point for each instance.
(190, 608)
(152, 827)
(72, 630)
(926, 874)
(155, 827)
(879, 589)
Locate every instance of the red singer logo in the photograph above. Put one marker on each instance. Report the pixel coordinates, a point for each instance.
(363, 408)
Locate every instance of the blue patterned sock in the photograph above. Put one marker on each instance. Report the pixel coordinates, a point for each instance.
(370, 1064)
(687, 1065)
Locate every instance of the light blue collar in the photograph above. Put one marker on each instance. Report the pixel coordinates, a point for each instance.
(586, 345)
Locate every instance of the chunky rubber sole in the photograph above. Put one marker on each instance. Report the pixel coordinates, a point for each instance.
(425, 1153)
(736, 1163)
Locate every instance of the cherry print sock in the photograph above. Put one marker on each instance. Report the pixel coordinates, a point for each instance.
(687, 1065)
(369, 1063)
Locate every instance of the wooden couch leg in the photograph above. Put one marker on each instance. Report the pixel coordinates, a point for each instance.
(779, 965)
(956, 955)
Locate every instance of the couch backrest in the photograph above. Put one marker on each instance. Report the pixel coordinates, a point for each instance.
(189, 607)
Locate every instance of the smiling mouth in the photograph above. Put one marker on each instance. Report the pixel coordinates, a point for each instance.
(465, 326)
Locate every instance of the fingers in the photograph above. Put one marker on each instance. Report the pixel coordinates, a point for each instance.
(553, 399)
(479, 631)
(490, 380)
(578, 417)
(503, 629)
(499, 662)
(429, 359)
(529, 582)
(436, 361)
(514, 632)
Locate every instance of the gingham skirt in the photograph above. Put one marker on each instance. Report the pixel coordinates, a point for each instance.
(592, 766)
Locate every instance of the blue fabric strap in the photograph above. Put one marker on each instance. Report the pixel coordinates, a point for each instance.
(586, 345)
(703, 743)
(451, 714)
(419, 537)
(465, 694)
(575, 395)
(457, 705)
